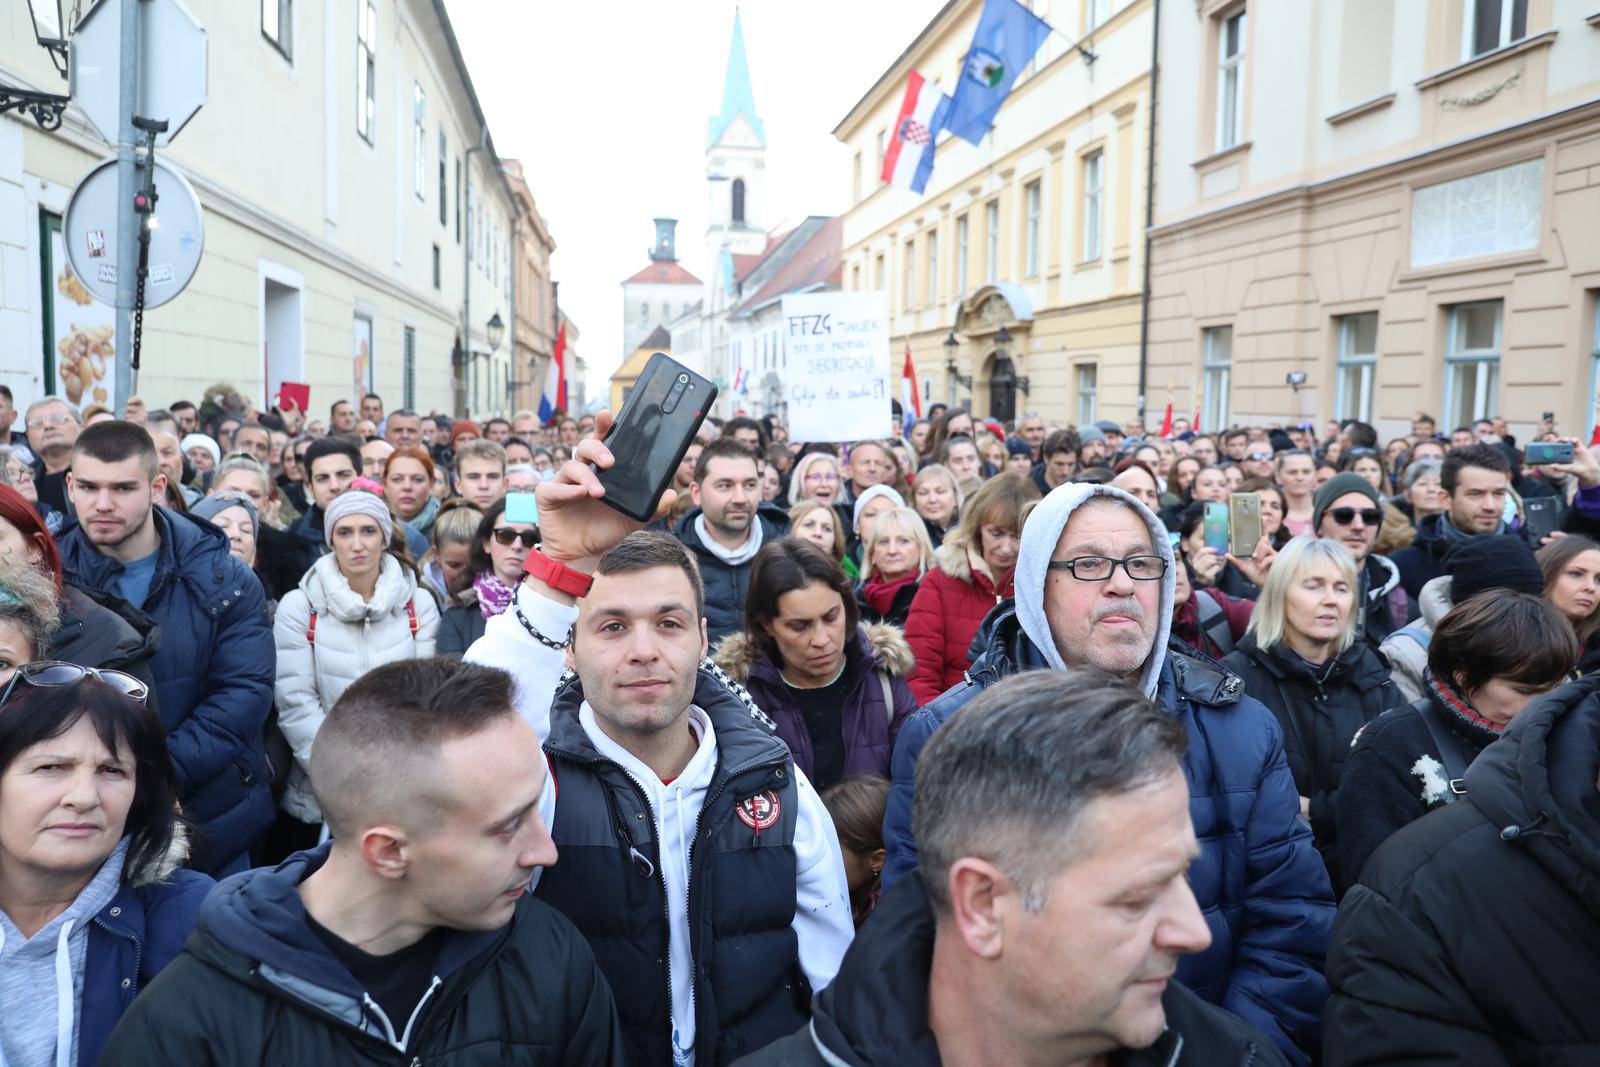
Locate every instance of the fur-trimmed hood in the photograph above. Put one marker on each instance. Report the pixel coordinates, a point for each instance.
(956, 559)
(160, 868)
(738, 654)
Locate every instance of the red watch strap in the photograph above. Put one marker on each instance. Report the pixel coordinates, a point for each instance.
(557, 575)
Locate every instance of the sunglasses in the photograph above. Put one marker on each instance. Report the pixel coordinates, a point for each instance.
(506, 536)
(1345, 516)
(53, 673)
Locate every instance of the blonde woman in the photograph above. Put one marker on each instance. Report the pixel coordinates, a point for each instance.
(815, 521)
(937, 497)
(896, 555)
(1300, 657)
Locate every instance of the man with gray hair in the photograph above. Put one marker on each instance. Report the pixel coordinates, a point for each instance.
(53, 426)
(1094, 591)
(1052, 907)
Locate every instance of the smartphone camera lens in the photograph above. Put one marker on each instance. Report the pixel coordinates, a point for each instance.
(683, 379)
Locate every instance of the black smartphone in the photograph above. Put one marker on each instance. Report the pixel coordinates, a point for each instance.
(1542, 452)
(1541, 518)
(653, 430)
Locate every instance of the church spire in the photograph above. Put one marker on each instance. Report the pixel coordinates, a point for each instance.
(738, 98)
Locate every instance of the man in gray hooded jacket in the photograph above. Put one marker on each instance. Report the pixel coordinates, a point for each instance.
(1094, 588)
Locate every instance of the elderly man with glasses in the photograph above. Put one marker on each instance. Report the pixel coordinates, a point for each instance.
(1094, 590)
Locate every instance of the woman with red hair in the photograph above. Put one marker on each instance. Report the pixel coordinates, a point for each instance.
(91, 634)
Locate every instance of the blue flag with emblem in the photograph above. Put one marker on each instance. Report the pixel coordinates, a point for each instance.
(1008, 36)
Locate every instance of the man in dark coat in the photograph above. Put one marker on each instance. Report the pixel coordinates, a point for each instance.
(1261, 885)
(1475, 480)
(1473, 936)
(408, 938)
(214, 668)
(1052, 907)
(726, 529)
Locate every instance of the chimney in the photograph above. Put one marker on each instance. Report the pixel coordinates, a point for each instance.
(665, 250)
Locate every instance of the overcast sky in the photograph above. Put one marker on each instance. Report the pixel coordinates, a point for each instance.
(606, 104)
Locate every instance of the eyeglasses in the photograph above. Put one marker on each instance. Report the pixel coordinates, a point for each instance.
(1259, 456)
(1344, 516)
(821, 477)
(53, 673)
(506, 536)
(1101, 568)
(48, 420)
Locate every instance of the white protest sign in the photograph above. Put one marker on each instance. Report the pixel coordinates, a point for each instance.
(837, 379)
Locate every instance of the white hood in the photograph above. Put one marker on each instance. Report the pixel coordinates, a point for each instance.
(1039, 537)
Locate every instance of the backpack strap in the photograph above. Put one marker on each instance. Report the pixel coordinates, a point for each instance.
(1213, 622)
(888, 695)
(1444, 739)
(1417, 634)
(411, 613)
(311, 631)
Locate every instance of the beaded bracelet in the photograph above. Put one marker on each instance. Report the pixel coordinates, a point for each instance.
(559, 646)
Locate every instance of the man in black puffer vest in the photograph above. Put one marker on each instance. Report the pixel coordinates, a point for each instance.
(696, 859)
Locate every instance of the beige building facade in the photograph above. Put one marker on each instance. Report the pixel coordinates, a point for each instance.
(1366, 208)
(1015, 279)
(534, 295)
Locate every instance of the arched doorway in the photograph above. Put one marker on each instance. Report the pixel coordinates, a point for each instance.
(1002, 388)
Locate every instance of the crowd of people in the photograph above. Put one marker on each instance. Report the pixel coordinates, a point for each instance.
(382, 738)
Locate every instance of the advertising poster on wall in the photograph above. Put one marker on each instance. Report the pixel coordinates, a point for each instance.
(80, 349)
(362, 365)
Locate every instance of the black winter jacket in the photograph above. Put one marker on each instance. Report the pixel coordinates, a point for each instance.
(875, 1012)
(254, 985)
(1394, 776)
(101, 630)
(1473, 936)
(725, 584)
(459, 626)
(1321, 713)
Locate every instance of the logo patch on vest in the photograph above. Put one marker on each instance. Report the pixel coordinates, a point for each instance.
(760, 811)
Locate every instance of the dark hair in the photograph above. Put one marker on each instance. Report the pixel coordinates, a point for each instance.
(392, 720)
(1131, 464)
(1007, 777)
(332, 446)
(180, 405)
(744, 422)
(114, 441)
(941, 428)
(15, 509)
(479, 553)
(857, 806)
(372, 396)
(243, 426)
(5, 391)
(1553, 559)
(1190, 518)
(34, 714)
(1061, 441)
(724, 448)
(490, 422)
(1172, 476)
(1348, 461)
(1501, 634)
(784, 567)
(645, 550)
(1487, 457)
(1234, 433)
(1360, 434)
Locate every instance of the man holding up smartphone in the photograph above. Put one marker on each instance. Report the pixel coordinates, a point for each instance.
(696, 858)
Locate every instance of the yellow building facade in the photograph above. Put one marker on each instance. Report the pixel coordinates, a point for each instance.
(1015, 279)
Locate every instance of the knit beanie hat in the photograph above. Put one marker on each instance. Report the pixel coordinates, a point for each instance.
(870, 492)
(1091, 433)
(1336, 487)
(464, 426)
(211, 506)
(1494, 561)
(362, 498)
(1016, 446)
(200, 440)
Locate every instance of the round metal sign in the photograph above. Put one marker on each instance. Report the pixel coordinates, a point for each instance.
(177, 234)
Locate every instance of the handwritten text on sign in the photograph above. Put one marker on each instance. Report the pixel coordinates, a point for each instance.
(837, 379)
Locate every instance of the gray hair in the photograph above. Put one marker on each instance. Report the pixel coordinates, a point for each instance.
(1418, 469)
(27, 416)
(1269, 623)
(1008, 777)
(163, 418)
(28, 602)
(243, 461)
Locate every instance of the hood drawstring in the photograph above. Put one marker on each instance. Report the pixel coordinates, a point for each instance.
(1513, 832)
(64, 997)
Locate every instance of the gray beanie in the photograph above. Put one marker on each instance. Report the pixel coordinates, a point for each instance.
(1091, 433)
(354, 501)
(210, 506)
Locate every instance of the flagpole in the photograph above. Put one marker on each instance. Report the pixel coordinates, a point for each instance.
(1074, 45)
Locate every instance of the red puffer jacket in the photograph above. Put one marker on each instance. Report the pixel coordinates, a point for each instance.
(952, 600)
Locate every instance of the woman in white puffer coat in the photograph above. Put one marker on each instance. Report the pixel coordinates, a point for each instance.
(357, 608)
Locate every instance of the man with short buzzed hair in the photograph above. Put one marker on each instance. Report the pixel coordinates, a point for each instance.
(403, 429)
(341, 417)
(410, 935)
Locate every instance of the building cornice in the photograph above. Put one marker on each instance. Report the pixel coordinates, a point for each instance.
(1476, 63)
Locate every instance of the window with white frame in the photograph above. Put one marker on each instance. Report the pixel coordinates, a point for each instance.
(933, 268)
(1095, 12)
(1093, 194)
(277, 25)
(444, 181)
(1088, 393)
(908, 263)
(1490, 24)
(1358, 365)
(1031, 222)
(1217, 343)
(419, 141)
(1489, 213)
(991, 222)
(1230, 80)
(366, 69)
(1472, 362)
(961, 256)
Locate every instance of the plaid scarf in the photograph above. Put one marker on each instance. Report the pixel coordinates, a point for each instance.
(1475, 725)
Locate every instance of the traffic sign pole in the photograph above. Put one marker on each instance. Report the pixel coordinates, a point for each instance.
(128, 220)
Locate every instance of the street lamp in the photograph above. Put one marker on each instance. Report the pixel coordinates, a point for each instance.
(52, 23)
(495, 330)
(950, 366)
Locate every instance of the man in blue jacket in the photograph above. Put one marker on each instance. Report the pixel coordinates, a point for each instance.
(1094, 589)
(214, 668)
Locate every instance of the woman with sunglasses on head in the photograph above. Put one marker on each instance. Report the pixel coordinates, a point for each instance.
(93, 900)
(499, 549)
(1300, 658)
(358, 607)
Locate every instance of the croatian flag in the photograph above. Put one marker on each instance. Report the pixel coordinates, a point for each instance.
(908, 161)
(555, 380)
(910, 395)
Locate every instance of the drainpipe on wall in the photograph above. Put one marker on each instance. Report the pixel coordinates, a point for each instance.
(1149, 208)
(466, 277)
